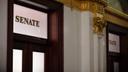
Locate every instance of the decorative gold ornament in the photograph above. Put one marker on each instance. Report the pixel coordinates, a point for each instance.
(97, 7)
(99, 24)
(82, 5)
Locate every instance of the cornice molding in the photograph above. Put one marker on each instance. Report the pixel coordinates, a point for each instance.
(116, 13)
(83, 5)
(101, 11)
(116, 17)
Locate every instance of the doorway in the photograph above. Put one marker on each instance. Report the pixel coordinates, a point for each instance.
(29, 56)
(42, 52)
(117, 48)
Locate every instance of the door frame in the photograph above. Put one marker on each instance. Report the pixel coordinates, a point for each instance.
(55, 34)
(115, 29)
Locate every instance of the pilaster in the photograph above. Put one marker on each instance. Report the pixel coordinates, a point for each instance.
(91, 38)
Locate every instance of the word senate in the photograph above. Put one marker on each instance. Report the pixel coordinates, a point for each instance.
(27, 21)
(112, 42)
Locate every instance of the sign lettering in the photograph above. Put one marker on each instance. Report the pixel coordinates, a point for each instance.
(27, 21)
(114, 43)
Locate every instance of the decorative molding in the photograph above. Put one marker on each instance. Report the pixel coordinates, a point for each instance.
(83, 5)
(116, 17)
(97, 7)
(116, 12)
(99, 24)
(100, 11)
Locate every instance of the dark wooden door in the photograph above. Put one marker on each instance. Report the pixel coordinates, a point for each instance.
(28, 50)
(118, 62)
(124, 54)
(113, 63)
(52, 47)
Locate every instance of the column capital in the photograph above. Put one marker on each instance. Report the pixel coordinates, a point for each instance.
(97, 7)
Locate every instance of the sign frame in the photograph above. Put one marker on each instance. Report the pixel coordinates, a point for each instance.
(22, 22)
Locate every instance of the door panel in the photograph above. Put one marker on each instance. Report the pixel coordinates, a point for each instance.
(17, 60)
(124, 53)
(38, 62)
(116, 66)
(117, 61)
(28, 57)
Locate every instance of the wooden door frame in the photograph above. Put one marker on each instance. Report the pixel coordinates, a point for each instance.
(115, 29)
(55, 34)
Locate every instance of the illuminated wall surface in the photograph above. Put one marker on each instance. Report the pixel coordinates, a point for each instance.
(115, 4)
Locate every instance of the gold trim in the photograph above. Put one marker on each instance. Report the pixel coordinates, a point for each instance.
(97, 7)
(116, 12)
(116, 17)
(82, 5)
(101, 14)
(99, 24)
